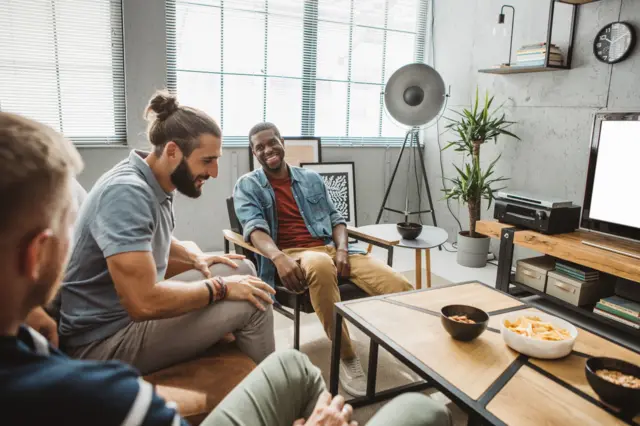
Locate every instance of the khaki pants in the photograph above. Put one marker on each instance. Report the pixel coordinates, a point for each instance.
(367, 272)
(156, 344)
(286, 386)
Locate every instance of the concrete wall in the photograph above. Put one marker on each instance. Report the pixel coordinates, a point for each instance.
(554, 110)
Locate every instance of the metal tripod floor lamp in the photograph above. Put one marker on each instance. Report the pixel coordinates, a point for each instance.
(414, 96)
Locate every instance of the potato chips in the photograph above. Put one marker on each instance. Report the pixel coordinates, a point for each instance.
(535, 328)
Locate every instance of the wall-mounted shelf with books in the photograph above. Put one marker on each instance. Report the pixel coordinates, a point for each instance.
(544, 56)
(521, 69)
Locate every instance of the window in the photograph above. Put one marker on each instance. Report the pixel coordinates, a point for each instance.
(313, 67)
(61, 63)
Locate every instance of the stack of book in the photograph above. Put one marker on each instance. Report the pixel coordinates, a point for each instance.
(533, 55)
(577, 272)
(619, 309)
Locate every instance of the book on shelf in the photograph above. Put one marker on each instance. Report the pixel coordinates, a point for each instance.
(537, 57)
(535, 64)
(541, 44)
(576, 275)
(622, 305)
(616, 318)
(552, 51)
(617, 313)
(581, 272)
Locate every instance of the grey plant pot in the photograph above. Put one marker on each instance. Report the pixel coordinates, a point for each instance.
(472, 252)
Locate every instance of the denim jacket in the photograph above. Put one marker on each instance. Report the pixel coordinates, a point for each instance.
(255, 206)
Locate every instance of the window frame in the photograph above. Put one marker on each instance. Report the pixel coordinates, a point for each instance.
(119, 138)
(309, 60)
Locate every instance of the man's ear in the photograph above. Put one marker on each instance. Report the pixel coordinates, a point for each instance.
(173, 151)
(34, 254)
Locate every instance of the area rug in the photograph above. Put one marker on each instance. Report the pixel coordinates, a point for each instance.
(391, 373)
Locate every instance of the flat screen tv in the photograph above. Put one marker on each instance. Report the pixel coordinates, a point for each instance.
(612, 194)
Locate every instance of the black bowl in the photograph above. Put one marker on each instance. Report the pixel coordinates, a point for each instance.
(409, 230)
(460, 330)
(617, 395)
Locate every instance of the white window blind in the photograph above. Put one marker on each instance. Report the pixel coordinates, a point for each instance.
(61, 63)
(312, 67)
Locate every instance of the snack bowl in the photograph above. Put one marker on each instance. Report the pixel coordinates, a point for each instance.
(544, 349)
(620, 396)
(462, 331)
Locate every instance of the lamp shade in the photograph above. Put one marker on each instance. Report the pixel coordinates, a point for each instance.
(414, 94)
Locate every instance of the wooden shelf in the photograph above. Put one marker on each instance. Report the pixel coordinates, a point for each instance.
(577, 1)
(569, 247)
(520, 70)
(586, 311)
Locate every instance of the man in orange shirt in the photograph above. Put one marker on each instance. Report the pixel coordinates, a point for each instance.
(286, 213)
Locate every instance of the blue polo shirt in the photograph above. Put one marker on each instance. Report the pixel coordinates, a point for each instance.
(126, 210)
(41, 386)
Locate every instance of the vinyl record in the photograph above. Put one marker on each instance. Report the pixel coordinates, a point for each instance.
(415, 94)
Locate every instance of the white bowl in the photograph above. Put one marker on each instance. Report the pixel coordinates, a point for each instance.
(545, 349)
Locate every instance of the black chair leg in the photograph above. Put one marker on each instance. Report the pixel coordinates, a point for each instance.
(296, 324)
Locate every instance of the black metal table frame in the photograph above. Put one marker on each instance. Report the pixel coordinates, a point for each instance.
(476, 409)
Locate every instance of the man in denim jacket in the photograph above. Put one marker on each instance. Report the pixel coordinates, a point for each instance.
(286, 213)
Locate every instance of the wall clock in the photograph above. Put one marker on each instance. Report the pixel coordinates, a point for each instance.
(614, 42)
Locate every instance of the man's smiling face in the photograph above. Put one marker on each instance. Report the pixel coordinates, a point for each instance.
(268, 148)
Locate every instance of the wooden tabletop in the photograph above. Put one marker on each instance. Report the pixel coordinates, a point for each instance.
(485, 375)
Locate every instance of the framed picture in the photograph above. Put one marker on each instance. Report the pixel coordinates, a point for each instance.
(298, 150)
(340, 180)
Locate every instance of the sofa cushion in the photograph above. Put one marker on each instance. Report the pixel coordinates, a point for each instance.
(198, 386)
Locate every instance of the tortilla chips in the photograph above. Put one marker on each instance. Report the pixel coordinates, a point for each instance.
(535, 328)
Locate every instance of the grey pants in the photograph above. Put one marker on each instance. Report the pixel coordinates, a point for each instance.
(286, 386)
(156, 344)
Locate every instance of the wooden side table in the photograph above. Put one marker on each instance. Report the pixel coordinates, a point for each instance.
(429, 238)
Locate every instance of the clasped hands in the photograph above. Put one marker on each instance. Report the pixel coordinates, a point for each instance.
(293, 276)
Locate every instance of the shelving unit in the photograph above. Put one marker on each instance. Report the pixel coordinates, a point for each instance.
(567, 247)
(521, 70)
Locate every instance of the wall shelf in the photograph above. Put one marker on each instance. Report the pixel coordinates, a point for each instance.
(577, 1)
(521, 69)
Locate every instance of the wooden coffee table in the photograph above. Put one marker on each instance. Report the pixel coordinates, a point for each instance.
(484, 377)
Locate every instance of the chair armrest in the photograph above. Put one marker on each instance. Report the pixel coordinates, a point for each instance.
(376, 241)
(236, 239)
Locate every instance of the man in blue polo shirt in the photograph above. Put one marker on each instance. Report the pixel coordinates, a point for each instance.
(41, 386)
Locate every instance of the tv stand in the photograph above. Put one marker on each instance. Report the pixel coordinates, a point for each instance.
(611, 249)
(614, 256)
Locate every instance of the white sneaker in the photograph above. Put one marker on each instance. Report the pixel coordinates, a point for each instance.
(352, 377)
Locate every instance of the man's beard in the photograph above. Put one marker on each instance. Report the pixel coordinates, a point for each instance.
(185, 182)
(264, 164)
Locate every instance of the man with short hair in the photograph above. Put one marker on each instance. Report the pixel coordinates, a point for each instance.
(121, 298)
(39, 385)
(286, 213)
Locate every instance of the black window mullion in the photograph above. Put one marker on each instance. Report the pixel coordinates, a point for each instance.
(309, 59)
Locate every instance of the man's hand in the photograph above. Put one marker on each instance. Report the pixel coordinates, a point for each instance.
(329, 413)
(290, 272)
(342, 263)
(41, 322)
(202, 262)
(249, 288)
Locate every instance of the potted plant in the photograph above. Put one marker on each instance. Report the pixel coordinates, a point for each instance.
(473, 183)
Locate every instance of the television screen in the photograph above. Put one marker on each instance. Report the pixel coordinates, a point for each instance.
(612, 200)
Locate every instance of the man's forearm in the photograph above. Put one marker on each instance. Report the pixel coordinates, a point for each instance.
(263, 242)
(340, 237)
(168, 299)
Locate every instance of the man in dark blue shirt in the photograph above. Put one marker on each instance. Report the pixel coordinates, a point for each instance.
(41, 386)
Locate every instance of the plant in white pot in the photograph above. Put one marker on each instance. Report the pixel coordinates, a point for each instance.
(473, 183)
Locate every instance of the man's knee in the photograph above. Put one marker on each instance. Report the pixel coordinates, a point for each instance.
(297, 365)
(317, 264)
(245, 267)
(422, 410)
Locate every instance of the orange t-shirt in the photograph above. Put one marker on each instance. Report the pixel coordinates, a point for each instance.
(292, 231)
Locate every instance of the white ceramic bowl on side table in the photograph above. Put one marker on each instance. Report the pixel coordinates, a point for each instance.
(543, 349)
